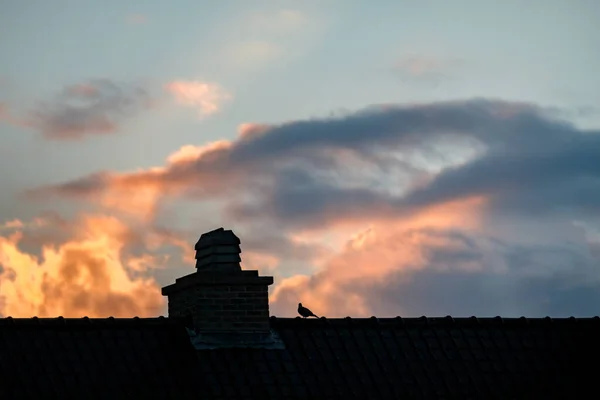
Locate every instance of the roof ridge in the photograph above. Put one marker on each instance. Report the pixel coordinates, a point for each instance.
(87, 321)
(432, 321)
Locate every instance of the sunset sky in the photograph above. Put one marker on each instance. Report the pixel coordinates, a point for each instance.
(377, 158)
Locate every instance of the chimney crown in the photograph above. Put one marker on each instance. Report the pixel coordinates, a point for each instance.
(219, 251)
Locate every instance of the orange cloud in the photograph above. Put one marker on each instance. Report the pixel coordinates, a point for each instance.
(86, 275)
(134, 194)
(372, 254)
(206, 97)
(263, 262)
(15, 223)
(37, 222)
(139, 201)
(138, 193)
(249, 130)
(190, 153)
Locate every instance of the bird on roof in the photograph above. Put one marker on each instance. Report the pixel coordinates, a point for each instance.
(305, 312)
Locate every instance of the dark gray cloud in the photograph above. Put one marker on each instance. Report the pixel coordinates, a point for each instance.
(297, 199)
(560, 172)
(461, 293)
(389, 125)
(98, 106)
(531, 161)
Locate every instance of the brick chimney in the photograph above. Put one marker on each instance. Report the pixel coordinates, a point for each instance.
(221, 298)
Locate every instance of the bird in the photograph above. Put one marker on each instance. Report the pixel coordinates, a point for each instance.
(305, 312)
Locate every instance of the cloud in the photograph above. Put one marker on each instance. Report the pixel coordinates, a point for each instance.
(277, 21)
(268, 36)
(407, 269)
(207, 98)
(434, 70)
(253, 52)
(419, 66)
(95, 107)
(15, 223)
(480, 191)
(102, 106)
(399, 245)
(367, 165)
(88, 274)
(8, 117)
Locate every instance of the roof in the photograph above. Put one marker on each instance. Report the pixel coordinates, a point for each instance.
(323, 358)
(79, 358)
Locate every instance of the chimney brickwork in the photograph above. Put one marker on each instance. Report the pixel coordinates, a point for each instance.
(220, 296)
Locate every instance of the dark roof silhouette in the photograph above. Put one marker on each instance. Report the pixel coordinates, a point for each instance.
(323, 358)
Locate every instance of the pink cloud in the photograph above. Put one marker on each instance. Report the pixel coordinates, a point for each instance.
(205, 97)
(399, 245)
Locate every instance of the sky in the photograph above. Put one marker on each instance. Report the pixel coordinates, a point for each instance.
(400, 158)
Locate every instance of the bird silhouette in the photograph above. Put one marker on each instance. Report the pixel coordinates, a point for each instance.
(305, 312)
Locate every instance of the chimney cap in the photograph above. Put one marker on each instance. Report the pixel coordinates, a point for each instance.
(218, 236)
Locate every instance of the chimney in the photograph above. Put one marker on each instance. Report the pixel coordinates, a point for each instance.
(220, 297)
